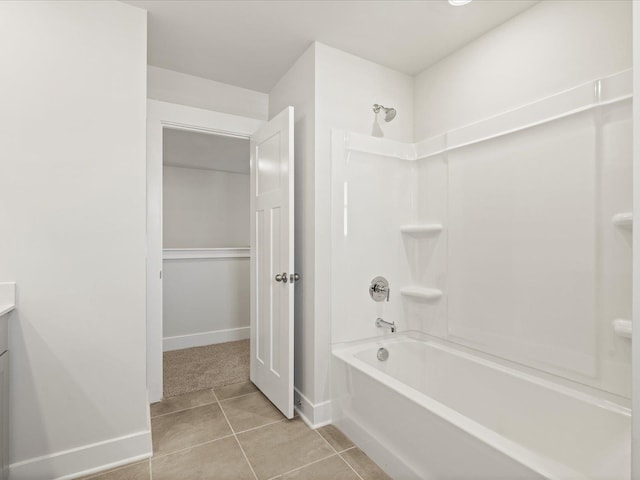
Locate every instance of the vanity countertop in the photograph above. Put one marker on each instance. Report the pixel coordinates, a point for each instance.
(7, 297)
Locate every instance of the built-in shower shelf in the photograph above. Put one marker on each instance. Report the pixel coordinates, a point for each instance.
(623, 220)
(622, 327)
(421, 292)
(421, 229)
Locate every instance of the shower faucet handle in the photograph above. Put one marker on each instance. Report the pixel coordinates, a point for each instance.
(379, 289)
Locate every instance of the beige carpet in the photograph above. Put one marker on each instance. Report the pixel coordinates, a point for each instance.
(198, 368)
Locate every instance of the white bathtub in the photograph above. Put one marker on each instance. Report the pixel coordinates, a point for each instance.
(435, 410)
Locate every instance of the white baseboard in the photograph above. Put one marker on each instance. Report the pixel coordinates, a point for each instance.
(315, 415)
(85, 460)
(206, 338)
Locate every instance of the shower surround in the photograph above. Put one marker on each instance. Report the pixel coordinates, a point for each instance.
(504, 239)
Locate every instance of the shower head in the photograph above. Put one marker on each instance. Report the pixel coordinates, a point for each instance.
(389, 113)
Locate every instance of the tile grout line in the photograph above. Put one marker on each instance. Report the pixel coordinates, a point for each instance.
(237, 396)
(235, 435)
(325, 440)
(232, 434)
(304, 466)
(244, 454)
(283, 420)
(349, 465)
(184, 409)
(245, 457)
(338, 453)
(162, 455)
(265, 425)
(204, 404)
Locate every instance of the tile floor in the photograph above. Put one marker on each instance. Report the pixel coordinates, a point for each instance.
(233, 432)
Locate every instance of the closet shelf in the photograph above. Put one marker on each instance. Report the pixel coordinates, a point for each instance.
(421, 292)
(204, 253)
(623, 220)
(421, 229)
(622, 327)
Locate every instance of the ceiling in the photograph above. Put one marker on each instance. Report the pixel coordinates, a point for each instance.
(251, 44)
(182, 148)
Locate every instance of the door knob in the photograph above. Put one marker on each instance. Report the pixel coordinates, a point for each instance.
(294, 277)
(282, 277)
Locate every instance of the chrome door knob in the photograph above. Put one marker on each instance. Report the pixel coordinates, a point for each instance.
(282, 277)
(294, 277)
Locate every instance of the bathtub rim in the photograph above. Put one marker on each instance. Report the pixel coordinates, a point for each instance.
(582, 391)
(539, 463)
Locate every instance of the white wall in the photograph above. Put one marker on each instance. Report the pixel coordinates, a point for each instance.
(297, 88)
(205, 301)
(205, 208)
(72, 207)
(175, 87)
(548, 48)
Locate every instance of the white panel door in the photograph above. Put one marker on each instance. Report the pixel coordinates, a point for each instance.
(272, 268)
(4, 415)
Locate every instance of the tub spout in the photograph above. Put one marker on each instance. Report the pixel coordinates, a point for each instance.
(380, 323)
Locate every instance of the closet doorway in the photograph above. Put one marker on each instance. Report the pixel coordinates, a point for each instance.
(206, 260)
(179, 125)
(193, 233)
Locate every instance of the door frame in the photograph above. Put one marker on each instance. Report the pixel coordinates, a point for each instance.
(635, 315)
(162, 115)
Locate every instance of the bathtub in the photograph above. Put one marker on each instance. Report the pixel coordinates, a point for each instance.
(434, 410)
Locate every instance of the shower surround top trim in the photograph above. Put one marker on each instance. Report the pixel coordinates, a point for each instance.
(589, 95)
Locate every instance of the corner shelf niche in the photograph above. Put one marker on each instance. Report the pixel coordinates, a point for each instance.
(622, 327)
(422, 293)
(623, 220)
(421, 229)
